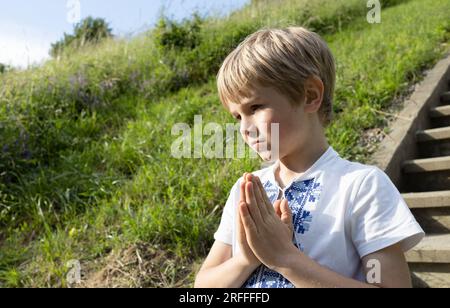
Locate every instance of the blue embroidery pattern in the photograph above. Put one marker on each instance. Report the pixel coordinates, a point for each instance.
(272, 191)
(266, 278)
(298, 194)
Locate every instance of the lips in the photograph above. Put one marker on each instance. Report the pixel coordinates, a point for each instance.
(252, 144)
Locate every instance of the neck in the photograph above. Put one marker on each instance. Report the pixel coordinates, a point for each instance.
(300, 160)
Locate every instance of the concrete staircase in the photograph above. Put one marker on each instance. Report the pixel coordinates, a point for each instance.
(426, 186)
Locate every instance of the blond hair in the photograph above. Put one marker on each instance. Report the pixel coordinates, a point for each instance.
(282, 59)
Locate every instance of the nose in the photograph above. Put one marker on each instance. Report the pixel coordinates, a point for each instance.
(248, 130)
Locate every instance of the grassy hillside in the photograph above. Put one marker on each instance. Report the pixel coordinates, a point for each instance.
(85, 166)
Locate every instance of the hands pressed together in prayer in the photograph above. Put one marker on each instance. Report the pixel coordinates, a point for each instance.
(264, 231)
(265, 236)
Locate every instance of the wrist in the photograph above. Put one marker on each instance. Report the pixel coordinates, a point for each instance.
(245, 263)
(288, 260)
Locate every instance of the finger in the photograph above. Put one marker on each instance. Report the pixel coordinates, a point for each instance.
(246, 180)
(242, 190)
(246, 176)
(240, 227)
(277, 207)
(286, 214)
(252, 205)
(247, 221)
(259, 197)
(267, 203)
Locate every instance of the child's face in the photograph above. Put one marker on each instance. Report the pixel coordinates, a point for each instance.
(264, 107)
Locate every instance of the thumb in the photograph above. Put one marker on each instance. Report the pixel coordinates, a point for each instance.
(276, 207)
(286, 214)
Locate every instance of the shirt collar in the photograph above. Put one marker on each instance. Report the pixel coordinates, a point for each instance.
(328, 155)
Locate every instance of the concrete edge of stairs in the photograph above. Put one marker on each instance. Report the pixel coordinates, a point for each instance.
(396, 147)
(432, 249)
(399, 153)
(429, 199)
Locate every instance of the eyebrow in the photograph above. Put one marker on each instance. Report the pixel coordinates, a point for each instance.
(254, 100)
(250, 102)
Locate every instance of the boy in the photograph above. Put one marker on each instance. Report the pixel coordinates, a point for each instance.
(312, 219)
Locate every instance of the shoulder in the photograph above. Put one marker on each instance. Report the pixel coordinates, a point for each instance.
(368, 175)
(372, 187)
(361, 179)
(355, 172)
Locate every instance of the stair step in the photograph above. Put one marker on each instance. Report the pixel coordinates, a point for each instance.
(441, 111)
(434, 134)
(432, 249)
(433, 220)
(445, 97)
(427, 199)
(430, 275)
(430, 149)
(427, 164)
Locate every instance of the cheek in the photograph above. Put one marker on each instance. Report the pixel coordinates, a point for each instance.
(289, 130)
(264, 122)
(289, 125)
(283, 125)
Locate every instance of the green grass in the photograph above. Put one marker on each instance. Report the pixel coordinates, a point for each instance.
(87, 172)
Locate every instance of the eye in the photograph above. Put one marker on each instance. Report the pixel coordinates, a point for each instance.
(238, 117)
(255, 107)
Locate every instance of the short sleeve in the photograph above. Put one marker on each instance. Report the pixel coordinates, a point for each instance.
(380, 217)
(225, 231)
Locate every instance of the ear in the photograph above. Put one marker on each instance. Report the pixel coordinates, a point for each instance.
(313, 94)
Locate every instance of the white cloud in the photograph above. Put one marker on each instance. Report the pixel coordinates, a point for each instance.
(21, 46)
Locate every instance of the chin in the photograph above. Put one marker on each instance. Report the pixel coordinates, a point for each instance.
(267, 156)
(265, 153)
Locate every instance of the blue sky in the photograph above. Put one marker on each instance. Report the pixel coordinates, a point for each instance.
(27, 28)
